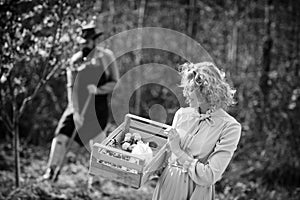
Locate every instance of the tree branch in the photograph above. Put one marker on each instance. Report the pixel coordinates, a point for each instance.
(37, 88)
(7, 122)
(5, 118)
(46, 77)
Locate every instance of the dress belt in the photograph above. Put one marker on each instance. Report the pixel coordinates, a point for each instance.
(177, 165)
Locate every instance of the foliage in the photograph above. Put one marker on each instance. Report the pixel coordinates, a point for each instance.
(74, 183)
(38, 36)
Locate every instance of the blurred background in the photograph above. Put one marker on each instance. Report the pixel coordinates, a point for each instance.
(255, 42)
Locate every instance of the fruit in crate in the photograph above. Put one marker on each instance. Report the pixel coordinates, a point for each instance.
(127, 137)
(136, 137)
(130, 141)
(131, 147)
(125, 146)
(143, 150)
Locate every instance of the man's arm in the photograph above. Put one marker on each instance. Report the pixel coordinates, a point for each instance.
(70, 72)
(109, 61)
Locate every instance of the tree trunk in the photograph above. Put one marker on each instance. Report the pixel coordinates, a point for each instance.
(297, 38)
(191, 22)
(112, 13)
(266, 57)
(16, 143)
(233, 46)
(138, 56)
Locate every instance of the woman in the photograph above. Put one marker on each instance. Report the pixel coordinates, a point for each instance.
(203, 136)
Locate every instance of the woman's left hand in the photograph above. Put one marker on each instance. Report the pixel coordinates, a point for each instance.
(173, 140)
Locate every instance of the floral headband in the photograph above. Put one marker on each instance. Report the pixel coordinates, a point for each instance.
(199, 79)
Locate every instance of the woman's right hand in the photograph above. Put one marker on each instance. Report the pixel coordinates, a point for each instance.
(78, 120)
(173, 140)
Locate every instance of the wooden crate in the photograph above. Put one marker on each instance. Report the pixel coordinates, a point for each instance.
(122, 166)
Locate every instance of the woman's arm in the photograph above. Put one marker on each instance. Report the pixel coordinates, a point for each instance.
(175, 118)
(210, 172)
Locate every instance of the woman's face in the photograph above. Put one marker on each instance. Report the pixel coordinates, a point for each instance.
(192, 99)
(195, 99)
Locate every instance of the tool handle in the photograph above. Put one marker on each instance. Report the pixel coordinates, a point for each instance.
(84, 109)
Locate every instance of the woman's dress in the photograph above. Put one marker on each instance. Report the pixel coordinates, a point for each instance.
(211, 140)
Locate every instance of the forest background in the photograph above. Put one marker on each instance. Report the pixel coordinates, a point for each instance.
(255, 42)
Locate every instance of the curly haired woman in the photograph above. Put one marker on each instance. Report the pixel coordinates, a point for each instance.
(203, 136)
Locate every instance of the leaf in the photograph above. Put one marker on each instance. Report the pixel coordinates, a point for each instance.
(17, 81)
(3, 78)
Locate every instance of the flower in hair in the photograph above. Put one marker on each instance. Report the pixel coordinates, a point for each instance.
(199, 79)
(189, 65)
(190, 70)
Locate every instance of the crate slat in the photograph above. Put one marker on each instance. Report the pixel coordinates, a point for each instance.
(155, 164)
(113, 134)
(148, 121)
(157, 131)
(117, 161)
(124, 153)
(131, 179)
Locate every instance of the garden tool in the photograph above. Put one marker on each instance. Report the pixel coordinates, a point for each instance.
(69, 144)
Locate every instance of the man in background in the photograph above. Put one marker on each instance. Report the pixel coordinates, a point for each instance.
(92, 62)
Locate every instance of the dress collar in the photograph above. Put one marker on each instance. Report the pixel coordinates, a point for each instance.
(208, 117)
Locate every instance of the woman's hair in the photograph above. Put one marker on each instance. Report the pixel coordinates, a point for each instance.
(210, 81)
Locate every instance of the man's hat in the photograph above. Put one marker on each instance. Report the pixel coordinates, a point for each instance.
(89, 31)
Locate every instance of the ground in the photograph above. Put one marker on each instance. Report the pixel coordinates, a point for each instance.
(73, 183)
(76, 183)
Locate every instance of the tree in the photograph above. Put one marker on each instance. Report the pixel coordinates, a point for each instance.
(38, 40)
(138, 54)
